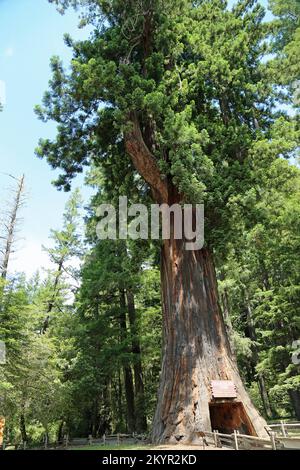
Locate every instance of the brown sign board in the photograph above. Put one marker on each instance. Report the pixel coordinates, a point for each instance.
(223, 389)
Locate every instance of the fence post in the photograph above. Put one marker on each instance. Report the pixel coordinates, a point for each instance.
(66, 440)
(46, 441)
(24, 445)
(90, 439)
(118, 439)
(215, 438)
(203, 441)
(218, 439)
(282, 428)
(235, 440)
(273, 440)
(104, 439)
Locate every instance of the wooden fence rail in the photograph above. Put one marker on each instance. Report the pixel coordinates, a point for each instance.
(106, 438)
(241, 441)
(68, 441)
(280, 435)
(284, 429)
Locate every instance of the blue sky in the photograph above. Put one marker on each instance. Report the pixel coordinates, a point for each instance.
(31, 31)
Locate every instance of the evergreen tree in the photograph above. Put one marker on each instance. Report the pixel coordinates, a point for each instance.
(177, 94)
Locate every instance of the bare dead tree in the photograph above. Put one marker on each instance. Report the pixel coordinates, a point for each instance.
(9, 223)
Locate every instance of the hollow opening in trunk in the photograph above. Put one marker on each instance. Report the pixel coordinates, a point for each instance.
(229, 416)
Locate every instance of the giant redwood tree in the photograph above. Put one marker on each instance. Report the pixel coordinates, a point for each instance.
(174, 92)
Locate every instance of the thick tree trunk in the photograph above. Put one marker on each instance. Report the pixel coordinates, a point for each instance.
(23, 428)
(196, 350)
(260, 376)
(116, 403)
(196, 347)
(140, 417)
(128, 380)
(94, 418)
(295, 400)
(60, 434)
(265, 396)
(120, 419)
(227, 319)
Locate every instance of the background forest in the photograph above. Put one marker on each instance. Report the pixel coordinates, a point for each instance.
(84, 339)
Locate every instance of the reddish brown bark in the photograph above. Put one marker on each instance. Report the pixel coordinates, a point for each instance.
(144, 162)
(226, 416)
(196, 347)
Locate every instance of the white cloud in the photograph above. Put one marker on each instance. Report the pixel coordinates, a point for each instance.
(29, 259)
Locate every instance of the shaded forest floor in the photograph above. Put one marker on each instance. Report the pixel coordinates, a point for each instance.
(144, 447)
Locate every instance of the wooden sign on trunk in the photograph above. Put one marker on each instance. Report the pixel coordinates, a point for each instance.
(223, 389)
